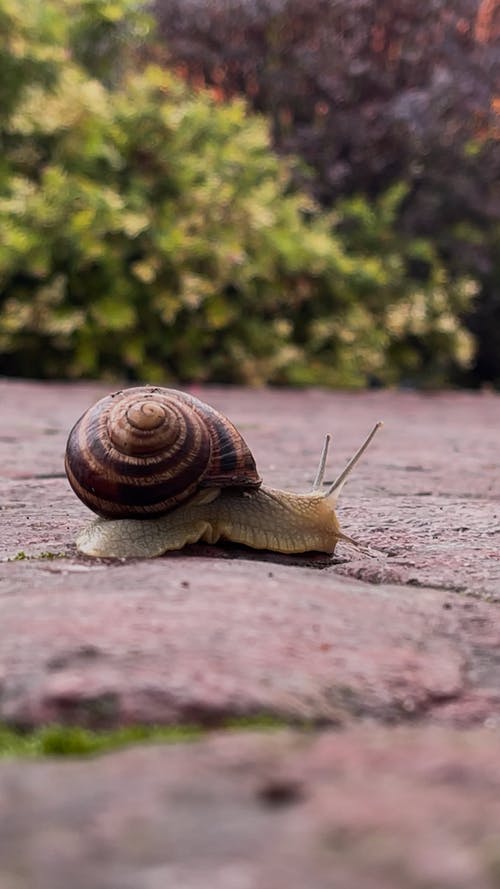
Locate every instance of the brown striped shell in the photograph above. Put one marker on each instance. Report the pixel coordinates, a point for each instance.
(142, 451)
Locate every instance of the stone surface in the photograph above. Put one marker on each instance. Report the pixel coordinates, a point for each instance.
(215, 631)
(426, 495)
(371, 808)
(198, 639)
(404, 795)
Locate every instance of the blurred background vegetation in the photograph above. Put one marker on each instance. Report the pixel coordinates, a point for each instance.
(282, 191)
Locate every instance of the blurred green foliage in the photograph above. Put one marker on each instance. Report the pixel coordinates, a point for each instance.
(148, 231)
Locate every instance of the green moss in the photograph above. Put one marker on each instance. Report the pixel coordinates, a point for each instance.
(57, 740)
(21, 556)
(60, 741)
(261, 723)
(49, 555)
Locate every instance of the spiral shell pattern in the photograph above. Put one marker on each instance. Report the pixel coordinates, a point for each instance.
(142, 451)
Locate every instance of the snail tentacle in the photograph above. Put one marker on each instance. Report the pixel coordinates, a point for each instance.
(336, 487)
(320, 473)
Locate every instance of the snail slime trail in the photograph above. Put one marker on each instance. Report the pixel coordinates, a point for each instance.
(163, 469)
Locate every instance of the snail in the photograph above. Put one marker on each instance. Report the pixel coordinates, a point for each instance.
(163, 469)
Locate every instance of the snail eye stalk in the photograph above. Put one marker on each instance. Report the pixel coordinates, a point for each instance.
(320, 474)
(336, 487)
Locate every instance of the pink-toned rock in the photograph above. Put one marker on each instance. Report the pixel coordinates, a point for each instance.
(370, 808)
(426, 494)
(217, 631)
(220, 631)
(183, 639)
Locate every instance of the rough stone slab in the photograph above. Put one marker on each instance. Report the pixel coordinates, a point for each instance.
(370, 808)
(221, 631)
(426, 495)
(200, 639)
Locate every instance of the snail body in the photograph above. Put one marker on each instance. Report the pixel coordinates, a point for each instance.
(201, 482)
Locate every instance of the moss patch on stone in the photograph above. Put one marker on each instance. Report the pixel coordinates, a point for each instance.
(61, 741)
(57, 740)
(21, 556)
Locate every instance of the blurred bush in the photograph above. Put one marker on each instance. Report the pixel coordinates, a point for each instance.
(371, 93)
(148, 230)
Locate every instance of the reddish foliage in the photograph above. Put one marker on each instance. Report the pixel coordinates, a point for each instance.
(363, 90)
(371, 92)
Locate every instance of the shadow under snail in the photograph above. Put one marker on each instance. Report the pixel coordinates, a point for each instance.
(163, 469)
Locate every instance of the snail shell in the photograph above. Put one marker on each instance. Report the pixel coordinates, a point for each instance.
(142, 451)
